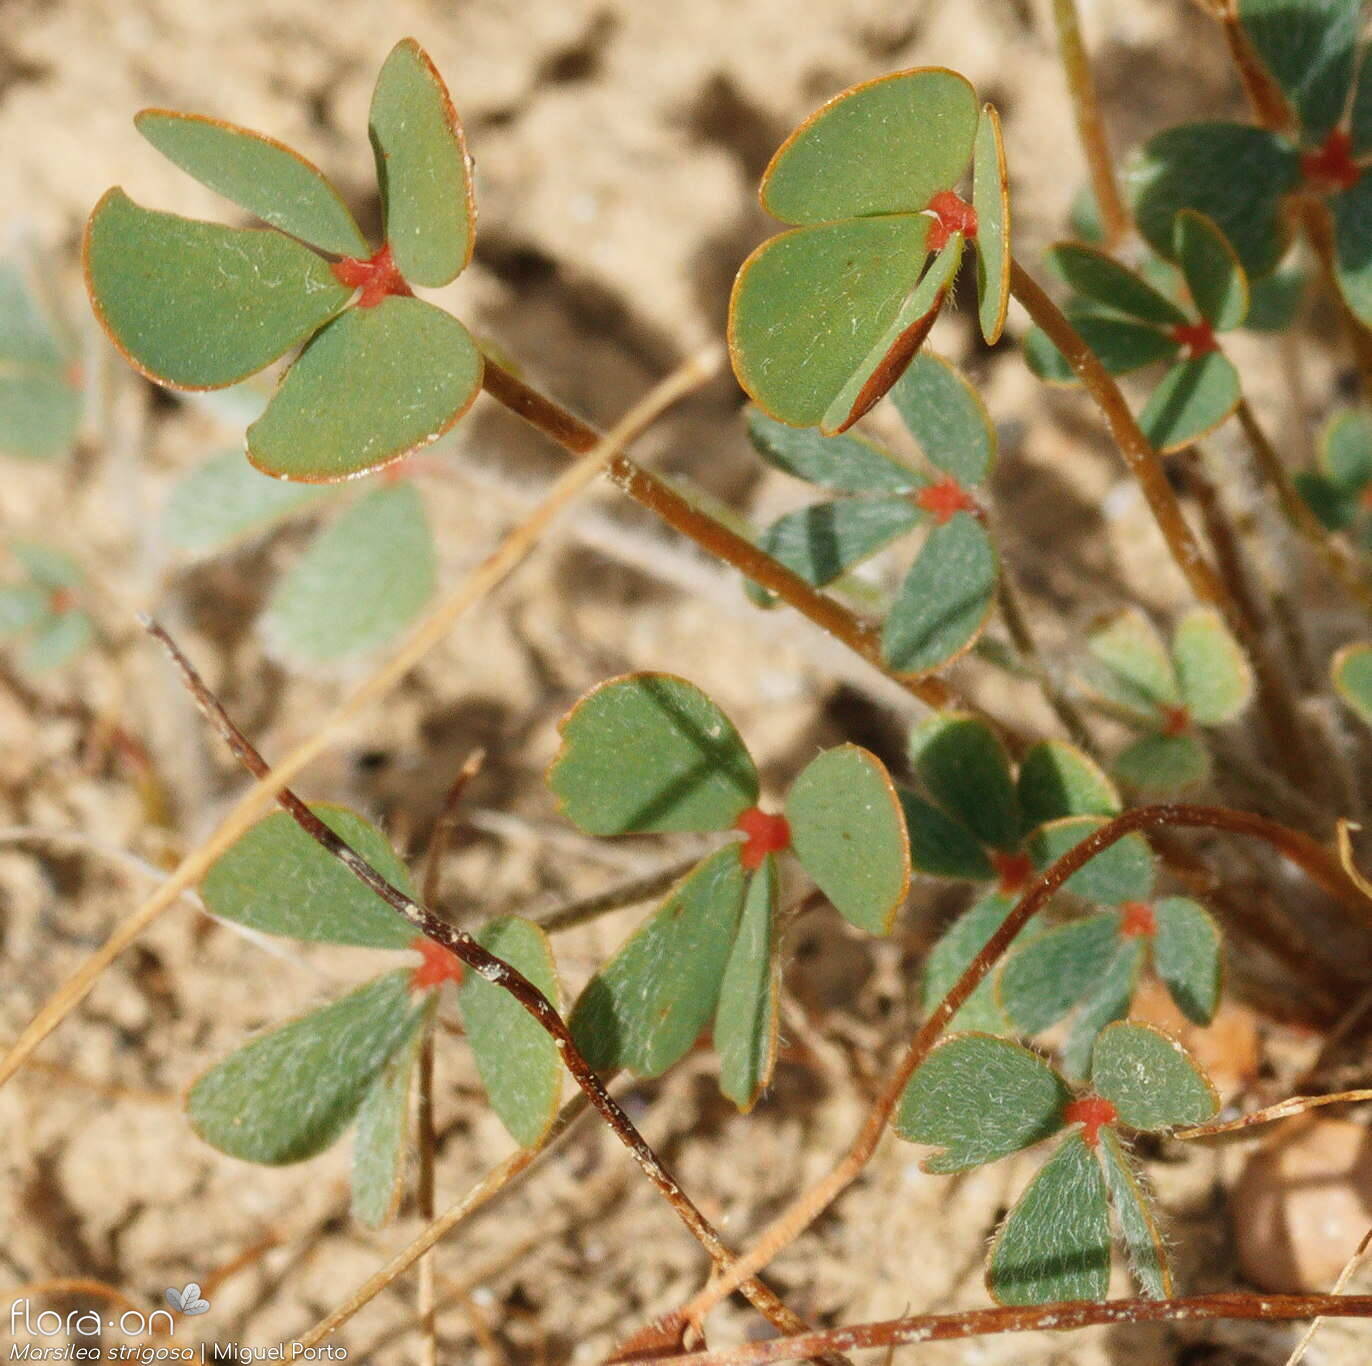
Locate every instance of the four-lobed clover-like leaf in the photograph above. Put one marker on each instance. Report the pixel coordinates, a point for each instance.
(979, 1098)
(651, 752)
(948, 592)
(824, 318)
(197, 305)
(43, 613)
(40, 376)
(1130, 323)
(1203, 680)
(1240, 176)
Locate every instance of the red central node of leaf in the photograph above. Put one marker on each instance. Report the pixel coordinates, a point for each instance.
(1197, 338)
(1139, 921)
(1331, 168)
(439, 965)
(61, 600)
(951, 214)
(764, 834)
(944, 499)
(1013, 870)
(1091, 1112)
(377, 277)
(1175, 720)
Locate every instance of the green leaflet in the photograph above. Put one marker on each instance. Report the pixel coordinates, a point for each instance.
(1163, 763)
(847, 464)
(945, 600)
(953, 954)
(647, 1006)
(1130, 648)
(289, 1094)
(946, 416)
(225, 500)
(1186, 954)
(1094, 274)
(358, 584)
(1058, 779)
(1213, 672)
(980, 1098)
(197, 305)
(963, 764)
(1041, 982)
(1351, 671)
(651, 752)
(824, 541)
(1194, 397)
(1121, 872)
(745, 1031)
(1121, 345)
(517, 1059)
(1150, 1079)
(849, 835)
(1108, 1001)
(259, 174)
(276, 879)
(991, 200)
(1055, 1243)
(1212, 271)
(1137, 1220)
(941, 846)
(383, 1130)
(373, 386)
(422, 168)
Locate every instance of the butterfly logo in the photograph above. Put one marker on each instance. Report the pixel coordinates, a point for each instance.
(187, 1300)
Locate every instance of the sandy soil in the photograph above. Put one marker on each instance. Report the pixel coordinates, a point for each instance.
(617, 148)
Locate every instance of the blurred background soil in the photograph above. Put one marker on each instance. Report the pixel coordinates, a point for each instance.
(618, 147)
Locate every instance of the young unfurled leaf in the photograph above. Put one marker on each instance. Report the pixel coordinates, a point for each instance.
(1351, 670)
(1042, 981)
(383, 1130)
(1215, 677)
(1234, 174)
(1057, 779)
(1131, 648)
(1308, 46)
(849, 835)
(276, 879)
(946, 416)
(1163, 763)
(1121, 872)
(359, 584)
(517, 1058)
(1186, 953)
(422, 168)
(1055, 1243)
(847, 464)
(1213, 275)
(965, 767)
(1094, 274)
(646, 1007)
(823, 542)
(1137, 1222)
(953, 954)
(745, 1032)
(289, 1094)
(372, 386)
(197, 305)
(650, 752)
(1150, 1079)
(225, 499)
(1108, 1001)
(991, 200)
(980, 1098)
(945, 600)
(1193, 398)
(941, 846)
(40, 392)
(259, 174)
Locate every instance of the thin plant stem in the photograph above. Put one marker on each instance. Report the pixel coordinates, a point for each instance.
(425, 1297)
(517, 545)
(1062, 1317)
(494, 970)
(632, 893)
(1292, 1105)
(1349, 1267)
(1095, 144)
(1313, 218)
(1017, 624)
(446, 825)
(1302, 521)
(1313, 859)
(716, 539)
(1265, 96)
(1147, 468)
